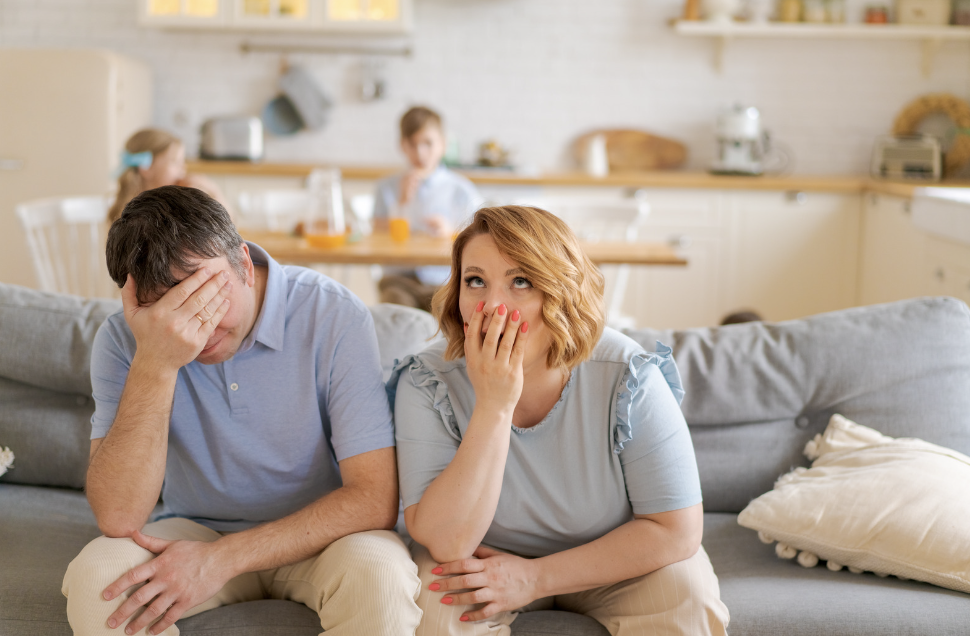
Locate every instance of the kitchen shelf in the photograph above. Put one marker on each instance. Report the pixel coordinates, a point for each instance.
(931, 36)
(844, 184)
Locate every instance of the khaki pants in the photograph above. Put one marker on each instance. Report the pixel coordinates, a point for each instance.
(407, 290)
(361, 584)
(681, 599)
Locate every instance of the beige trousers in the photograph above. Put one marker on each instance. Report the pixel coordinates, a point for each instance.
(682, 599)
(360, 585)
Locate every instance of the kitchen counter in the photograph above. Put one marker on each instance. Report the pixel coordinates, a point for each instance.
(672, 179)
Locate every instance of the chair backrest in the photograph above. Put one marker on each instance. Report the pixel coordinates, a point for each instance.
(273, 210)
(601, 219)
(66, 241)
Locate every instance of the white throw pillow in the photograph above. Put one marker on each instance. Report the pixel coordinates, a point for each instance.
(872, 503)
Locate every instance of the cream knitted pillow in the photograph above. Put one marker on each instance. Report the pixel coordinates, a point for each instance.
(872, 503)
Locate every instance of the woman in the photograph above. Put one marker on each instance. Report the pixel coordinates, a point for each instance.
(543, 459)
(154, 158)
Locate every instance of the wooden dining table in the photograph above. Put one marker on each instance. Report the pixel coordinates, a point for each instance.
(379, 249)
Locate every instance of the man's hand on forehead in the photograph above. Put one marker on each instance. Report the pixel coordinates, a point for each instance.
(173, 330)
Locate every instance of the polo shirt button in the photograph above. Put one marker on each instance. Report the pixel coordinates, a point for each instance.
(234, 386)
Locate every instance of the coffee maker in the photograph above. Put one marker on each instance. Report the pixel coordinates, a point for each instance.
(741, 143)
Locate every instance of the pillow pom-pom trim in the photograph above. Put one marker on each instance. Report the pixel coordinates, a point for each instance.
(807, 559)
(785, 551)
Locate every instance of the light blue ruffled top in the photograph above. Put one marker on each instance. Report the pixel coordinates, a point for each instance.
(614, 445)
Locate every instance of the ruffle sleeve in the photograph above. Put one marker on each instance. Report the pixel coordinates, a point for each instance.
(424, 377)
(634, 375)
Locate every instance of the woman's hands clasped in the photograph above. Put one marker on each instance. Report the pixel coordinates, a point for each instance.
(495, 361)
(498, 581)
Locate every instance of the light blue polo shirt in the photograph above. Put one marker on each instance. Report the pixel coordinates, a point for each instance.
(258, 437)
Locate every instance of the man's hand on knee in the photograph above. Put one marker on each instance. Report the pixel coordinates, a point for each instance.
(183, 575)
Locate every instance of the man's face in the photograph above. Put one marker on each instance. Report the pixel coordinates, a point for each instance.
(238, 321)
(243, 307)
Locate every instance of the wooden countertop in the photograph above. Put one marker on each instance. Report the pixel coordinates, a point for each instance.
(424, 250)
(659, 179)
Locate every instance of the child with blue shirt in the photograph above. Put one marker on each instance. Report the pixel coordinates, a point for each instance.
(434, 199)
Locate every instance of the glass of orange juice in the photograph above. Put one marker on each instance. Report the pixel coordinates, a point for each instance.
(400, 229)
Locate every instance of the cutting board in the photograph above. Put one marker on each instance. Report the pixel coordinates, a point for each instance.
(634, 150)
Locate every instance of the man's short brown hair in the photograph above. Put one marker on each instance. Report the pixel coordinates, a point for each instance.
(417, 118)
(165, 230)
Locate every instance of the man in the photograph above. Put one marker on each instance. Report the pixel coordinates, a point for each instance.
(249, 396)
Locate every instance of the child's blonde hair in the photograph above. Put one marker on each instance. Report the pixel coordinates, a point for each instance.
(130, 183)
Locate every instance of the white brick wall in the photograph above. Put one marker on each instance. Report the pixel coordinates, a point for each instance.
(532, 73)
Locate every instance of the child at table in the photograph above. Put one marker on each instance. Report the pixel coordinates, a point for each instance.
(434, 199)
(153, 158)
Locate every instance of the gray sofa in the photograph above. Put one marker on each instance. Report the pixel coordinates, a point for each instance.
(755, 394)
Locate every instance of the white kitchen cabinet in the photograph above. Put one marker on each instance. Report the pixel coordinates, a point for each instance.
(892, 252)
(946, 269)
(792, 254)
(688, 296)
(183, 13)
(340, 16)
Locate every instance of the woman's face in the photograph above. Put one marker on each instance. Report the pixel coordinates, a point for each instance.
(489, 276)
(168, 168)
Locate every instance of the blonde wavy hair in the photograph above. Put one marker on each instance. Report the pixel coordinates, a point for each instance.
(130, 183)
(548, 252)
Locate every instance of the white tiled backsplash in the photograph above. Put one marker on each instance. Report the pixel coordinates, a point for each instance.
(531, 73)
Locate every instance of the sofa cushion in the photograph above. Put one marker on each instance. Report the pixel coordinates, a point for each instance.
(768, 596)
(45, 338)
(48, 432)
(45, 380)
(757, 392)
(41, 531)
(873, 503)
(401, 330)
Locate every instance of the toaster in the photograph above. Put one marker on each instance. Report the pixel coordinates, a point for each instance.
(916, 157)
(236, 138)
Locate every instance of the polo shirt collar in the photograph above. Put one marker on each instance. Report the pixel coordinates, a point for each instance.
(272, 315)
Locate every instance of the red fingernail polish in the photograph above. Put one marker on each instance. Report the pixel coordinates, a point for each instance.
(434, 587)
(437, 570)
(501, 310)
(481, 304)
(525, 327)
(463, 618)
(515, 315)
(447, 600)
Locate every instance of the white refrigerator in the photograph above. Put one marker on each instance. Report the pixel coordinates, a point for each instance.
(65, 115)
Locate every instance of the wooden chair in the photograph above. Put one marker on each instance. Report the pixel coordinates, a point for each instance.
(66, 238)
